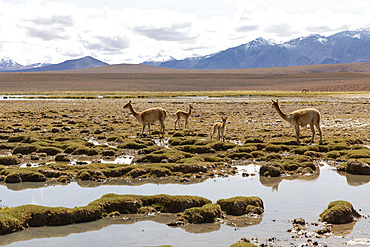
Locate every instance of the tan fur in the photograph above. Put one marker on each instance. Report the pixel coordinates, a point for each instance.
(220, 129)
(182, 114)
(148, 116)
(302, 118)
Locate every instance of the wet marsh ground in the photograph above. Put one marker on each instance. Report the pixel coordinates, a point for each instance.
(72, 147)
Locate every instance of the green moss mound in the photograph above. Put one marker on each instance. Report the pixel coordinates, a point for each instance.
(9, 160)
(339, 212)
(271, 170)
(357, 167)
(136, 144)
(198, 215)
(101, 171)
(19, 218)
(243, 243)
(169, 155)
(242, 205)
(17, 175)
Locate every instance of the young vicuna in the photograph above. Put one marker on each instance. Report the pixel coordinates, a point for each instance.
(220, 128)
(302, 117)
(183, 114)
(148, 116)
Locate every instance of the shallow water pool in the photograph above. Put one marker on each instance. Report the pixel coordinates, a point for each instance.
(284, 199)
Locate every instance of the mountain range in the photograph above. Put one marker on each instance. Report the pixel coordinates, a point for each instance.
(342, 47)
(8, 65)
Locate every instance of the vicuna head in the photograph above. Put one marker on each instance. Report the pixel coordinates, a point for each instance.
(275, 103)
(224, 119)
(127, 105)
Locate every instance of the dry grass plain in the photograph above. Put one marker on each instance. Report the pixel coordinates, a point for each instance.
(125, 77)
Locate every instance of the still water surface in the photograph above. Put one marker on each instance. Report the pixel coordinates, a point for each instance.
(284, 199)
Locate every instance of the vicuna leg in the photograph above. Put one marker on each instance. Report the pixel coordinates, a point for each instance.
(162, 128)
(177, 122)
(186, 123)
(297, 133)
(214, 131)
(313, 132)
(142, 133)
(319, 129)
(223, 135)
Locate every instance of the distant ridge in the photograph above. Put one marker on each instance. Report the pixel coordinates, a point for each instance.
(144, 78)
(81, 63)
(320, 68)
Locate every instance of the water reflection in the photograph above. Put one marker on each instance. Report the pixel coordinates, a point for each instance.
(272, 182)
(94, 184)
(250, 169)
(140, 181)
(342, 229)
(275, 181)
(355, 180)
(201, 228)
(64, 231)
(30, 185)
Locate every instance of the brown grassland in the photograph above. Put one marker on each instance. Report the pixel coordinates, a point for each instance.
(344, 77)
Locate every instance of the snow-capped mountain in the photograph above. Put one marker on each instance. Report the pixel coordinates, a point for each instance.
(342, 47)
(158, 59)
(7, 63)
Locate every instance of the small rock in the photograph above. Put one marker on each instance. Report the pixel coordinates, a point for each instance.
(55, 130)
(299, 221)
(176, 223)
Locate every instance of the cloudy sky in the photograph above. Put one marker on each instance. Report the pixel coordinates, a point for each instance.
(132, 31)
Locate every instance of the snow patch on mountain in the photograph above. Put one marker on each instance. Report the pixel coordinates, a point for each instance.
(158, 59)
(6, 62)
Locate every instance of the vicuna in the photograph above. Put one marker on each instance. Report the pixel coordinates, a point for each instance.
(301, 117)
(148, 116)
(220, 129)
(183, 114)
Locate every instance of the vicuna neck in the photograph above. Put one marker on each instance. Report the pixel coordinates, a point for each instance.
(134, 113)
(281, 113)
(189, 111)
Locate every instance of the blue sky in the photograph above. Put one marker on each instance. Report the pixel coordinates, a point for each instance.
(132, 31)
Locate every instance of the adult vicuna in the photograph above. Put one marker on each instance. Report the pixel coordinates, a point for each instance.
(301, 117)
(220, 129)
(148, 116)
(183, 114)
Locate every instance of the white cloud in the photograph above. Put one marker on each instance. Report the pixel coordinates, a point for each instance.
(174, 32)
(135, 30)
(65, 20)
